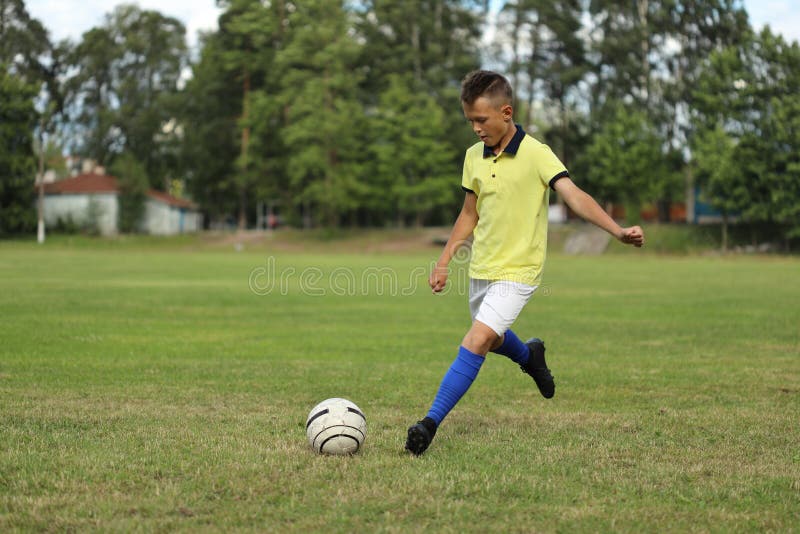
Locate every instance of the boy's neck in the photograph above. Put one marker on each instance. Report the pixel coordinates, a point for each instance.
(499, 147)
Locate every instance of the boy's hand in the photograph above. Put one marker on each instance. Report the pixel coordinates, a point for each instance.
(632, 236)
(438, 278)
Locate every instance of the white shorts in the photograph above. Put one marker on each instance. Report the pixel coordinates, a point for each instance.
(497, 304)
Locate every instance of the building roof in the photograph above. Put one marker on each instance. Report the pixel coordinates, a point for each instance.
(166, 198)
(85, 184)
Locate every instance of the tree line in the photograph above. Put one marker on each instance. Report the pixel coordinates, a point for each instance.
(347, 113)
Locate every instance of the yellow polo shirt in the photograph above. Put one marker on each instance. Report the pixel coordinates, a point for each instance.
(510, 240)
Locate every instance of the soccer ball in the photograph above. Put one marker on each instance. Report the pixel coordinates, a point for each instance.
(336, 426)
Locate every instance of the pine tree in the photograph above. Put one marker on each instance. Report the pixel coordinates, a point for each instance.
(411, 152)
(319, 87)
(29, 66)
(17, 163)
(436, 42)
(209, 147)
(248, 36)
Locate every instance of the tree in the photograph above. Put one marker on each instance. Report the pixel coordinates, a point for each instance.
(149, 73)
(324, 117)
(27, 55)
(628, 39)
(23, 41)
(209, 145)
(436, 42)
(410, 151)
(649, 53)
(564, 64)
(548, 60)
(694, 29)
(132, 181)
(91, 96)
(625, 159)
(249, 35)
(724, 183)
(120, 93)
(746, 117)
(769, 150)
(17, 163)
(698, 28)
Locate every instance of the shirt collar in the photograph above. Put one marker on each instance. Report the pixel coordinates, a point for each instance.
(512, 146)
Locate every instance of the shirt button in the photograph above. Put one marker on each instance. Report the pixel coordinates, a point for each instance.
(494, 161)
(493, 176)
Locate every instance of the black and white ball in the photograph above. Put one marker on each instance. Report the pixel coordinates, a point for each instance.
(336, 426)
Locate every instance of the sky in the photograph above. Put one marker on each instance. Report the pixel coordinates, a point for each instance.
(70, 18)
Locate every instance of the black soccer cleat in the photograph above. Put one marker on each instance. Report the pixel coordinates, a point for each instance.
(420, 436)
(537, 368)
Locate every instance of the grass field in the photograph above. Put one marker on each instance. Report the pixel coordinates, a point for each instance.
(146, 387)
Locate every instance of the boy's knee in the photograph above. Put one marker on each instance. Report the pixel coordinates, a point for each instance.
(480, 339)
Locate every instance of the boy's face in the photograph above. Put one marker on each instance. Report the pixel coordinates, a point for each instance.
(491, 121)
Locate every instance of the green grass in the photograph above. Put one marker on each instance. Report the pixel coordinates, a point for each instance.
(147, 388)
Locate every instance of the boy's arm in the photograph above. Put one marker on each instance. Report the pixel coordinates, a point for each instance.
(463, 227)
(589, 210)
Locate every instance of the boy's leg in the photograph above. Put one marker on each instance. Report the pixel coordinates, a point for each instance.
(530, 357)
(513, 348)
(501, 304)
(494, 307)
(456, 382)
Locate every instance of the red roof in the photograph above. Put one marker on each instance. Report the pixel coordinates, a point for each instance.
(84, 183)
(101, 183)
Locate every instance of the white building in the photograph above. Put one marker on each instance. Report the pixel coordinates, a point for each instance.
(95, 198)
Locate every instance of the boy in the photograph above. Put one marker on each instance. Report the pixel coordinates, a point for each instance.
(506, 179)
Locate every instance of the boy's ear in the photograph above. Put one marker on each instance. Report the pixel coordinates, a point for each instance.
(507, 111)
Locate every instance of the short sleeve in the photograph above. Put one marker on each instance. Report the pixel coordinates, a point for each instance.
(467, 175)
(549, 167)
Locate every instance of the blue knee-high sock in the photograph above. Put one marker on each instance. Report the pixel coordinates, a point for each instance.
(455, 383)
(513, 348)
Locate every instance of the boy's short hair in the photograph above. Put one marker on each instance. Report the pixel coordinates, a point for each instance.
(485, 83)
